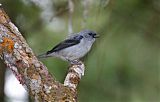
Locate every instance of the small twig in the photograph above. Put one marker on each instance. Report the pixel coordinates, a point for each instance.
(104, 3)
(59, 13)
(85, 4)
(71, 10)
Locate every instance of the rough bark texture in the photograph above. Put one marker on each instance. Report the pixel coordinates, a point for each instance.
(74, 75)
(30, 72)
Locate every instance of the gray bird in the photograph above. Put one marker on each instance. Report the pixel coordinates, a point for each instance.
(74, 47)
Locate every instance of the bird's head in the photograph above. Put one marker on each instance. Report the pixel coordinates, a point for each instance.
(89, 35)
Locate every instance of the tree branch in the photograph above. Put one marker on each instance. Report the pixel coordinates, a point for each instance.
(30, 72)
(74, 75)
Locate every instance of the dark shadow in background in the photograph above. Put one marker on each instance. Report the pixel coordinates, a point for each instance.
(2, 80)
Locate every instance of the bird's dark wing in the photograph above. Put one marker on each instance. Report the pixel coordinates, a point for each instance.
(67, 43)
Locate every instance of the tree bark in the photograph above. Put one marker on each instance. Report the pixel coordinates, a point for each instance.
(30, 72)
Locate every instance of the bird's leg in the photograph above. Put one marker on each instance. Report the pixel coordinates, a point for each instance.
(75, 62)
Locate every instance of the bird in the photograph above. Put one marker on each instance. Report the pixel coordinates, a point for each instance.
(73, 47)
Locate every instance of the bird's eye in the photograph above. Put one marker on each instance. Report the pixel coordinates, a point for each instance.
(90, 33)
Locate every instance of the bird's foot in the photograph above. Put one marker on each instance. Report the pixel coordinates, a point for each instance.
(75, 62)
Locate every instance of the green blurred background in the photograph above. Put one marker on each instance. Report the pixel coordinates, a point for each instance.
(124, 63)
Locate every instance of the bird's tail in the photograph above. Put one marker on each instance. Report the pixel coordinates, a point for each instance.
(45, 55)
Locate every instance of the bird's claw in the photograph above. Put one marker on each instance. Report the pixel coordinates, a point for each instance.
(75, 62)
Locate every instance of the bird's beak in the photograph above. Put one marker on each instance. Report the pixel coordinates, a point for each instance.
(96, 36)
